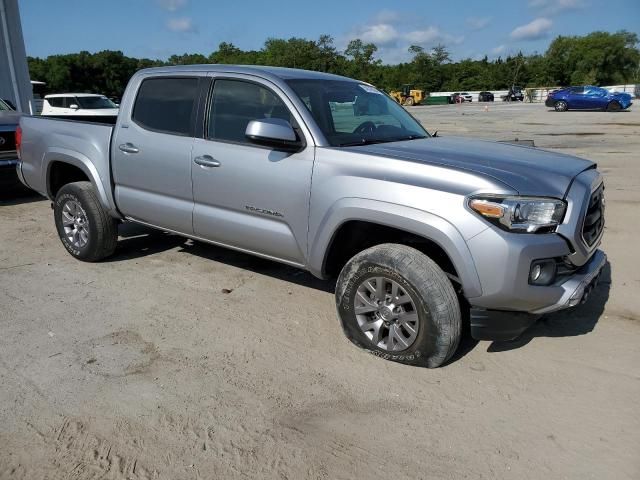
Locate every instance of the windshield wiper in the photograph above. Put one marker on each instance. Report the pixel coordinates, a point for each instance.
(370, 141)
(364, 141)
(408, 137)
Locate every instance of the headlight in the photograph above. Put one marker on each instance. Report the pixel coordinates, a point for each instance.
(520, 214)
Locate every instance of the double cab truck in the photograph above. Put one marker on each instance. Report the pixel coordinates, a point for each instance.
(330, 175)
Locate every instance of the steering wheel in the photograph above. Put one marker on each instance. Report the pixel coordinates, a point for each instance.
(365, 127)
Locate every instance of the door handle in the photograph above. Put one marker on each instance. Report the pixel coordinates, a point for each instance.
(128, 148)
(207, 161)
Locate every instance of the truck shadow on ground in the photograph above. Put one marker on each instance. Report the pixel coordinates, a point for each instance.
(572, 322)
(139, 241)
(19, 195)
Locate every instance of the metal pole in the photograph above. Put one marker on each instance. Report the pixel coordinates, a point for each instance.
(7, 42)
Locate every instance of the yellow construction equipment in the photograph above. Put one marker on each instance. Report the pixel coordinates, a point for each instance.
(408, 95)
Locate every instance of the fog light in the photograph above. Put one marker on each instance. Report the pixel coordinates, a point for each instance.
(536, 270)
(542, 272)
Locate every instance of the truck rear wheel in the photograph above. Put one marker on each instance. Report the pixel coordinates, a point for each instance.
(84, 227)
(396, 303)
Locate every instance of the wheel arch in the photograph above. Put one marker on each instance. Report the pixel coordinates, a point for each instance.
(63, 166)
(435, 236)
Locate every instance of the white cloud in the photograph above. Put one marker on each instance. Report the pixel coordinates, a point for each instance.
(380, 34)
(478, 23)
(498, 50)
(534, 30)
(387, 16)
(183, 24)
(553, 7)
(393, 34)
(171, 5)
(432, 35)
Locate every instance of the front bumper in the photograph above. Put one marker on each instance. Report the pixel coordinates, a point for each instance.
(550, 102)
(499, 325)
(578, 287)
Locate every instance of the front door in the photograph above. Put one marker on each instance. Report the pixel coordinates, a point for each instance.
(248, 196)
(577, 98)
(151, 154)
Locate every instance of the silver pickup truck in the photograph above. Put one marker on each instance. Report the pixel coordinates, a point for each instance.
(330, 175)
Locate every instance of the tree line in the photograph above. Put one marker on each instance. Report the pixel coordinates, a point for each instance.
(599, 58)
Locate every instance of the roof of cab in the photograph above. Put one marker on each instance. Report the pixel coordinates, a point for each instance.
(258, 70)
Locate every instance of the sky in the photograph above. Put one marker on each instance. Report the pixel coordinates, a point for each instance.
(469, 29)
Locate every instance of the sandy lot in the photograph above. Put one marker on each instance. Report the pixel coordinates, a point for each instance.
(141, 367)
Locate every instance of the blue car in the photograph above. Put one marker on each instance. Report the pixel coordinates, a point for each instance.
(587, 98)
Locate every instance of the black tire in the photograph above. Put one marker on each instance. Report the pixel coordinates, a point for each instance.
(409, 102)
(102, 228)
(437, 306)
(561, 106)
(614, 106)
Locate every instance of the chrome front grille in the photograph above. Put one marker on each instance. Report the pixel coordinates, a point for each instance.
(594, 218)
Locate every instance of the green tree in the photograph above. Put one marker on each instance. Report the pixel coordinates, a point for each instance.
(362, 57)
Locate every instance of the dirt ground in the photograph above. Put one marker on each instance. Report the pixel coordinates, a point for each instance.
(141, 367)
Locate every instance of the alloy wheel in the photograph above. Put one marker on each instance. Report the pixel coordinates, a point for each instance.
(75, 223)
(386, 314)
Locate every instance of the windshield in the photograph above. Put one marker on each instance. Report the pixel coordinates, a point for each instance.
(95, 102)
(350, 113)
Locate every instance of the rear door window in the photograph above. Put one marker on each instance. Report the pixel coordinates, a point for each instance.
(55, 102)
(166, 104)
(68, 101)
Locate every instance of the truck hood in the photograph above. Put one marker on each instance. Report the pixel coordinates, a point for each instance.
(527, 170)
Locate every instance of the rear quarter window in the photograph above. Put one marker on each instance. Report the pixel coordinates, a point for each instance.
(55, 102)
(166, 104)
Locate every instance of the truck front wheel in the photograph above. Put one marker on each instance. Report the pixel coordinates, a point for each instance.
(398, 304)
(84, 227)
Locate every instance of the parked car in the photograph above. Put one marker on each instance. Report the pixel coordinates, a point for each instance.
(587, 98)
(8, 157)
(417, 228)
(515, 94)
(460, 97)
(485, 97)
(74, 104)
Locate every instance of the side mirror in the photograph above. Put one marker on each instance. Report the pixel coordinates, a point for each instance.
(73, 106)
(273, 132)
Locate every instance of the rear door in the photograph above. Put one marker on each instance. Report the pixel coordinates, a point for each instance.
(151, 152)
(255, 198)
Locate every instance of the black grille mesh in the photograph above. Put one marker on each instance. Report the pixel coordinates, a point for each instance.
(9, 143)
(594, 218)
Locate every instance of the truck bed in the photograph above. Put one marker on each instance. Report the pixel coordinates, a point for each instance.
(84, 144)
(101, 119)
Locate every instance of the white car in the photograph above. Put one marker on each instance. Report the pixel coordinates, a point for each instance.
(467, 97)
(78, 104)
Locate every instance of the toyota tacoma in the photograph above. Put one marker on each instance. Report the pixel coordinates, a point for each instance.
(330, 175)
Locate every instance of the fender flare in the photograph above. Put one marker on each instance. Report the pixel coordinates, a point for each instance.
(412, 220)
(77, 159)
